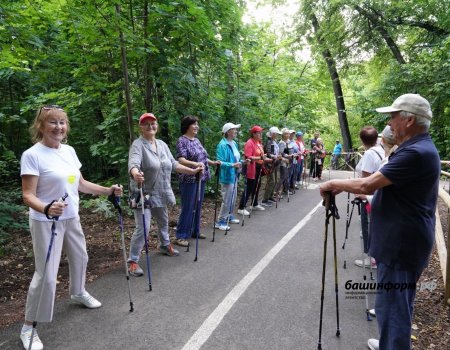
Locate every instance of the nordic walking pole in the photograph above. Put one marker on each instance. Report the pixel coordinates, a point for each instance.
(147, 257)
(347, 225)
(368, 210)
(359, 202)
(335, 215)
(49, 251)
(256, 190)
(326, 203)
(115, 200)
(233, 195)
(215, 204)
(199, 188)
(330, 211)
(245, 193)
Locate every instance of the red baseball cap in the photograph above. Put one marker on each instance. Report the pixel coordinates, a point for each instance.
(256, 128)
(146, 116)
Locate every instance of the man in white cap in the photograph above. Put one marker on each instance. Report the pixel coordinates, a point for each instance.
(403, 217)
(273, 153)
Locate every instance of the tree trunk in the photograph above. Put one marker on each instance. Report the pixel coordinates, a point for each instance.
(148, 97)
(126, 83)
(383, 32)
(337, 88)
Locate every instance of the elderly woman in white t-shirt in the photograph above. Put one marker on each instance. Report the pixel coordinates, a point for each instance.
(50, 170)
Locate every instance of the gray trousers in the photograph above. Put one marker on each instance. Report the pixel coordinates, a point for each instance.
(161, 215)
(70, 237)
(229, 194)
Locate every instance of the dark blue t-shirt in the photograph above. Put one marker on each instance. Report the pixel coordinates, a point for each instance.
(403, 214)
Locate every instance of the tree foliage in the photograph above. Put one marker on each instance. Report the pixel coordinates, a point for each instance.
(109, 61)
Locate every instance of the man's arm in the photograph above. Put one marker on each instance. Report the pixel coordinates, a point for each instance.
(366, 185)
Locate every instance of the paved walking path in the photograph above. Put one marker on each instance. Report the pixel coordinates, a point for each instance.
(256, 288)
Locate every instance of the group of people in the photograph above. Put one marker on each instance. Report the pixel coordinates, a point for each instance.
(399, 237)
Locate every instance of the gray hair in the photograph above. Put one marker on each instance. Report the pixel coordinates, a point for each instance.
(420, 121)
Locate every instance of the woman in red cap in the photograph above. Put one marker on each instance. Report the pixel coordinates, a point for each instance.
(254, 155)
(150, 165)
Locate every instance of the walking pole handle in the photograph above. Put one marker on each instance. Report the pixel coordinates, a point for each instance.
(327, 200)
(115, 200)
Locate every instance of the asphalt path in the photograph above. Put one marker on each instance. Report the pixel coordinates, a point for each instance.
(258, 287)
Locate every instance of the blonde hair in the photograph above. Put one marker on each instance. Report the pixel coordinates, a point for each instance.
(44, 113)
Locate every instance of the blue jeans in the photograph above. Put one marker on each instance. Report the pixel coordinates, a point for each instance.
(394, 308)
(185, 227)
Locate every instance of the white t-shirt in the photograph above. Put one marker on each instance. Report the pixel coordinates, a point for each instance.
(371, 160)
(59, 173)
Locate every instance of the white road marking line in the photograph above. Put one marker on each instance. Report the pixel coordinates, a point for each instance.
(210, 324)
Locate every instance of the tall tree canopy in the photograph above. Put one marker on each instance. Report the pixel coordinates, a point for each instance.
(108, 62)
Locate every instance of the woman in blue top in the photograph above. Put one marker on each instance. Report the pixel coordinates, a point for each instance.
(228, 155)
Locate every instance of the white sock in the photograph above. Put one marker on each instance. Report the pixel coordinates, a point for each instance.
(26, 328)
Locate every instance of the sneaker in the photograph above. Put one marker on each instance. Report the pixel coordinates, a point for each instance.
(222, 225)
(367, 262)
(372, 312)
(273, 200)
(168, 250)
(373, 344)
(181, 242)
(134, 269)
(266, 203)
(26, 336)
(233, 220)
(200, 236)
(243, 212)
(258, 207)
(87, 300)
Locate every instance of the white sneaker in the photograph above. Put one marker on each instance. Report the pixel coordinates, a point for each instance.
(367, 262)
(87, 300)
(258, 207)
(373, 344)
(222, 226)
(243, 212)
(26, 336)
(233, 220)
(372, 313)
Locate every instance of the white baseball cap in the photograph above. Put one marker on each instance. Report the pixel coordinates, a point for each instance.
(229, 126)
(412, 103)
(274, 130)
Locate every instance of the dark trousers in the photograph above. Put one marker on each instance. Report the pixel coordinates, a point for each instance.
(394, 307)
(317, 169)
(299, 170)
(251, 190)
(188, 192)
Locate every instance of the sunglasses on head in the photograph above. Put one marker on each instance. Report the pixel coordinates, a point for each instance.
(49, 107)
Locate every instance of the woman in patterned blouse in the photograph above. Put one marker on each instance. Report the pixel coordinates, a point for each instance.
(191, 153)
